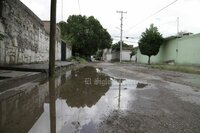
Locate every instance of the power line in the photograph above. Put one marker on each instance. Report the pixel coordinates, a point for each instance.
(126, 37)
(151, 15)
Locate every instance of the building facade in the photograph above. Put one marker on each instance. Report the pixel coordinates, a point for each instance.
(109, 55)
(25, 36)
(183, 51)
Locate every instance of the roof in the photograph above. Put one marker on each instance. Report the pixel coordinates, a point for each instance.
(180, 35)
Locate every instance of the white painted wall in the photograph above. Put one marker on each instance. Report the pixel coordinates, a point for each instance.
(58, 50)
(126, 55)
(68, 52)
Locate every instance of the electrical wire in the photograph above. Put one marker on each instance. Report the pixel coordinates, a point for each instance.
(151, 15)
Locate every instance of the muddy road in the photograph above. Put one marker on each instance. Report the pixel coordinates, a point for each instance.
(169, 103)
(105, 98)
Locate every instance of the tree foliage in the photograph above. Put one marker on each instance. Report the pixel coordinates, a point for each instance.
(1, 36)
(86, 35)
(116, 46)
(133, 52)
(150, 42)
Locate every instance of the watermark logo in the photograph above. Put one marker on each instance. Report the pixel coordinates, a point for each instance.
(97, 81)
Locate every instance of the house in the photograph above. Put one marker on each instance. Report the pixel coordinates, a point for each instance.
(126, 51)
(110, 55)
(63, 49)
(183, 50)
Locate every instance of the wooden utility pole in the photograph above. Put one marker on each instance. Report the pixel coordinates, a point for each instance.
(121, 12)
(52, 39)
(177, 25)
(52, 44)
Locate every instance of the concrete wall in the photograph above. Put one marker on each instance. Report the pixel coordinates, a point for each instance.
(26, 39)
(109, 55)
(126, 55)
(184, 51)
(22, 30)
(69, 52)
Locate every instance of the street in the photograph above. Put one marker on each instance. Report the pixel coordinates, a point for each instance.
(71, 67)
(170, 102)
(105, 98)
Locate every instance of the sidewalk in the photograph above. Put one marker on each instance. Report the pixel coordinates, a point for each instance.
(10, 79)
(15, 75)
(193, 69)
(36, 67)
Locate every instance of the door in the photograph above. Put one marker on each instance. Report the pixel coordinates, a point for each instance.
(63, 51)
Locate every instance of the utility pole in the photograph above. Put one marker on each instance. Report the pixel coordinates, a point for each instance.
(177, 25)
(121, 12)
(52, 39)
(62, 10)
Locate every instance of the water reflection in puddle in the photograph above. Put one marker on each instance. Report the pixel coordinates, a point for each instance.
(78, 100)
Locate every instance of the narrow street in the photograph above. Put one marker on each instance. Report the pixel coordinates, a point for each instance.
(91, 67)
(104, 98)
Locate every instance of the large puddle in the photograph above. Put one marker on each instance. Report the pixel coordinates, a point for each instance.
(75, 102)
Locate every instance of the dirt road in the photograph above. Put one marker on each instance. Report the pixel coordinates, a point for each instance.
(170, 103)
(104, 98)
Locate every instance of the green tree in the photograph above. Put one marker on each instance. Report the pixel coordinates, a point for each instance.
(63, 27)
(116, 46)
(1, 36)
(133, 52)
(86, 35)
(150, 42)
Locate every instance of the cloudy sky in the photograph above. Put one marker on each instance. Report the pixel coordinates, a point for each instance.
(134, 21)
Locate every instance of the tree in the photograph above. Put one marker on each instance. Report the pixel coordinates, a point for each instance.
(63, 27)
(133, 52)
(150, 42)
(1, 36)
(116, 46)
(86, 35)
